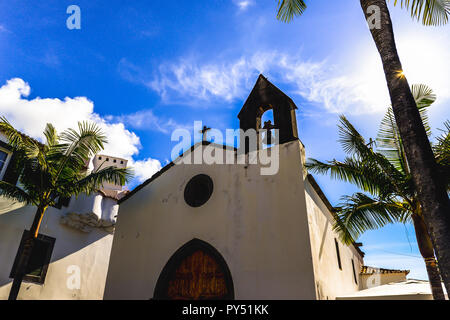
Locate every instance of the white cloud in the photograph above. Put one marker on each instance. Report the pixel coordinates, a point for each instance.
(186, 79)
(146, 119)
(243, 4)
(144, 169)
(317, 81)
(353, 83)
(31, 115)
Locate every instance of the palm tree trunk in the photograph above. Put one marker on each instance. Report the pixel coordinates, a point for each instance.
(26, 254)
(430, 188)
(435, 278)
(427, 252)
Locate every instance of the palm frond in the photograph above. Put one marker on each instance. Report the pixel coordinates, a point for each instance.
(442, 153)
(431, 12)
(424, 97)
(95, 180)
(287, 9)
(359, 213)
(88, 141)
(78, 147)
(389, 142)
(16, 139)
(51, 135)
(442, 147)
(15, 193)
(350, 139)
(353, 143)
(365, 175)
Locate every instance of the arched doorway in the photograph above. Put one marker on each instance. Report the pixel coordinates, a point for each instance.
(196, 271)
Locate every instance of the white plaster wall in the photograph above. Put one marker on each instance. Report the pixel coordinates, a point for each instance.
(380, 279)
(89, 251)
(109, 211)
(330, 281)
(258, 224)
(104, 208)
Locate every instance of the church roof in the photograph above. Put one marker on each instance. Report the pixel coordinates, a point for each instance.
(366, 270)
(262, 91)
(167, 167)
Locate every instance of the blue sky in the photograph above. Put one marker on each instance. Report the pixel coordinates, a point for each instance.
(144, 68)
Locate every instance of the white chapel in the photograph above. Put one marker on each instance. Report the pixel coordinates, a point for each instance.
(224, 231)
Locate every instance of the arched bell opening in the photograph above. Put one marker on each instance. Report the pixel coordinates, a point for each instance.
(265, 96)
(267, 128)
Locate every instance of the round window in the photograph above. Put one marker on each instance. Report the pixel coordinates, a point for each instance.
(198, 190)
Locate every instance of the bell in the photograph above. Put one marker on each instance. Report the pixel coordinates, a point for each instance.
(268, 126)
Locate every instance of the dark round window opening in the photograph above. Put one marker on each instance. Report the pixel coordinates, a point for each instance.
(198, 190)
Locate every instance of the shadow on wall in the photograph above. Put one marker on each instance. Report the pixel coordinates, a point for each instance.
(19, 218)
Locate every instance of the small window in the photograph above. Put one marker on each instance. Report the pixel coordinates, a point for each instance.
(3, 157)
(9, 171)
(114, 160)
(198, 190)
(121, 162)
(99, 158)
(107, 159)
(40, 258)
(338, 254)
(354, 272)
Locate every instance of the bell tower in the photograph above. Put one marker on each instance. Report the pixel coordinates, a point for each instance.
(265, 96)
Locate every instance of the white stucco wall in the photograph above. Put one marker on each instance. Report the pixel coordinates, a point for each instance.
(258, 223)
(99, 210)
(89, 251)
(379, 279)
(329, 279)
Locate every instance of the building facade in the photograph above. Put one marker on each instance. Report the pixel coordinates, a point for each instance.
(208, 231)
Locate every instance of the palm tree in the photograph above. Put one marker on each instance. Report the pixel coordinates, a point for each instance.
(51, 171)
(385, 175)
(430, 188)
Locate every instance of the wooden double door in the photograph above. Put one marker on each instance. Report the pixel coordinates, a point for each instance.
(195, 272)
